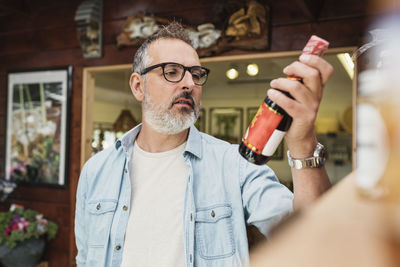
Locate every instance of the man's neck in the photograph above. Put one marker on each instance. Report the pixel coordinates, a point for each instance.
(152, 141)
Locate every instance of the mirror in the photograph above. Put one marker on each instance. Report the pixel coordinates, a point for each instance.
(228, 106)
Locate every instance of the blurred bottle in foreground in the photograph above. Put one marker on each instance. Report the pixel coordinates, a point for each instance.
(378, 113)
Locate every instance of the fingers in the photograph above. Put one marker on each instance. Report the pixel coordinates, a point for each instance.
(311, 77)
(306, 111)
(325, 69)
(315, 72)
(298, 90)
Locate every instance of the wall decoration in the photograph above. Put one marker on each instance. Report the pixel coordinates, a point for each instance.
(37, 125)
(226, 124)
(89, 22)
(201, 121)
(205, 36)
(138, 28)
(243, 23)
(246, 29)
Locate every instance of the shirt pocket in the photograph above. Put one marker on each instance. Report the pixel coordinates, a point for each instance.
(214, 234)
(101, 213)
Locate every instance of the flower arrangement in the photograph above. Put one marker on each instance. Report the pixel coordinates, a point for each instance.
(19, 224)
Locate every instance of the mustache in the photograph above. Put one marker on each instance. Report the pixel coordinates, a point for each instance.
(184, 95)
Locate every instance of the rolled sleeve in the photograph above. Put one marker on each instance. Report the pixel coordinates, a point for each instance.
(265, 200)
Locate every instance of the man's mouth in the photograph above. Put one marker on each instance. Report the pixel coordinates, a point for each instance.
(184, 102)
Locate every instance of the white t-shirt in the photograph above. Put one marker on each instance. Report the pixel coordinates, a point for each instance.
(154, 235)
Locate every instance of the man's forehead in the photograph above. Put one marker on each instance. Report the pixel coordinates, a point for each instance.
(173, 50)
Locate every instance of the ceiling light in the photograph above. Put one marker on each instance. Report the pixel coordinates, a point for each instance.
(347, 63)
(232, 73)
(252, 69)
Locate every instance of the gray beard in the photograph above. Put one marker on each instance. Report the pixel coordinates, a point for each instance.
(165, 120)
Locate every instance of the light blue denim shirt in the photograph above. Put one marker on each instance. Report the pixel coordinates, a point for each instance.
(223, 192)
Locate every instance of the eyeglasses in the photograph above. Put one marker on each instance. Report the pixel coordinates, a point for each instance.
(174, 72)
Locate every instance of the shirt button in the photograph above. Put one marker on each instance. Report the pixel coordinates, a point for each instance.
(117, 247)
(98, 206)
(126, 171)
(125, 208)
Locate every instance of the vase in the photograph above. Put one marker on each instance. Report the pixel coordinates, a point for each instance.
(25, 254)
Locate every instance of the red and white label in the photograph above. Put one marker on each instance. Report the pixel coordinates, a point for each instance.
(261, 128)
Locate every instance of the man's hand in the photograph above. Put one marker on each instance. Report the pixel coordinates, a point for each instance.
(315, 72)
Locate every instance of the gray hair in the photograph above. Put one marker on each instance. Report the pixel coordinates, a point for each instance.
(174, 30)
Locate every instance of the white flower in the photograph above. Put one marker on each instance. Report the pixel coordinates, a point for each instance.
(49, 128)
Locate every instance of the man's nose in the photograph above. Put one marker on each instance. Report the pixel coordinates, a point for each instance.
(188, 79)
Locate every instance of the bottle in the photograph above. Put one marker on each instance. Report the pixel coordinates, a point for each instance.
(271, 122)
(378, 130)
(371, 136)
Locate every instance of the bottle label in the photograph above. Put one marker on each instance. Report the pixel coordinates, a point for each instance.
(273, 143)
(372, 146)
(261, 129)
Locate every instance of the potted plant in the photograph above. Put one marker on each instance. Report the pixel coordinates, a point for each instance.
(23, 233)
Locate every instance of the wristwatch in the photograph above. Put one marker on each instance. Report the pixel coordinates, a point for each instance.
(316, 161)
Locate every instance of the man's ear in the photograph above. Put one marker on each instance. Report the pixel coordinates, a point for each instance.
(136, 84)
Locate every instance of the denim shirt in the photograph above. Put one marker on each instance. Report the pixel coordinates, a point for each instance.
(223, 192)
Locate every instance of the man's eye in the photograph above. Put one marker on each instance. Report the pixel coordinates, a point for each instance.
(170, 72)
(196, 76)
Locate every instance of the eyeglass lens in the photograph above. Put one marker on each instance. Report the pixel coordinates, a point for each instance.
(175, 73)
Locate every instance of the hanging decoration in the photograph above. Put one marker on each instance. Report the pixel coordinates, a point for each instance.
(89, 21)
(125, 121)
(246, 29)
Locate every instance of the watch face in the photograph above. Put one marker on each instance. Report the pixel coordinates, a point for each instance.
(320, 151)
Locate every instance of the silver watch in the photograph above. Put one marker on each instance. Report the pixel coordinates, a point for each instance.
(316, 161)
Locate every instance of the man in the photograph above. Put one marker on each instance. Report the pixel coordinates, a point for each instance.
(168, 195)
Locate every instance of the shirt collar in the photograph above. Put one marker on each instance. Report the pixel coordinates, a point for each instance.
(127, 140)
(193, 145)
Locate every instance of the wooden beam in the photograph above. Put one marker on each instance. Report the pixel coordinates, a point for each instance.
(21, 7)
(311, 8)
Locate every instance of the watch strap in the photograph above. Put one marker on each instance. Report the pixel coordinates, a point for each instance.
(316, 161)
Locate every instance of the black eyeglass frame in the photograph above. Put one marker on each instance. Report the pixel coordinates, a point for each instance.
(189, 69)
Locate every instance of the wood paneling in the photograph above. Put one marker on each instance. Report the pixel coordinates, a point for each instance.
(42, 33)
(3, 99)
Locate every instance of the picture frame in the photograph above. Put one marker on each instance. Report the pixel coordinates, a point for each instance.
(226, 124)
(201, 121)
(278, 155)
(250, 113)
(37, 125)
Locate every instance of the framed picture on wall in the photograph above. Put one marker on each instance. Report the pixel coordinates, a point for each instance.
(226, 124)
(251, 112)
(278, 155)
(201, 121)
(37, 126)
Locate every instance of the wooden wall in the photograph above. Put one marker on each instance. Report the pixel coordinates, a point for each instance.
(42, 33)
